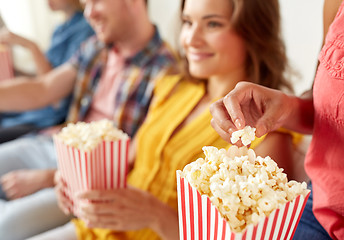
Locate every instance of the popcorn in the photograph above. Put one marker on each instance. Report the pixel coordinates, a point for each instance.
(92, 156)
(247, 135)
(244, 188)
(86, 136)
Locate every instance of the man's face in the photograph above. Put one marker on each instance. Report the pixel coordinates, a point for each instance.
(109, 18)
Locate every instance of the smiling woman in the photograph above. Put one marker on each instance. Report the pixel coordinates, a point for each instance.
(205, 39)
(218, 46)
(302, 46)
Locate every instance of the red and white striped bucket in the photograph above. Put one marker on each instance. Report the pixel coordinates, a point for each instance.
(6, 63)
(105, 167)
(199, 219)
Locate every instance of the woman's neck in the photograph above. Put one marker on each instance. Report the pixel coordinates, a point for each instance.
(219, 86)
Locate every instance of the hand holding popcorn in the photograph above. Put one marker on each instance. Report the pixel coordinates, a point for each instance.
(247, 135)
(92, 156)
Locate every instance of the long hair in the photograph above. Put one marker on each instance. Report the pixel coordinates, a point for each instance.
(258, 23)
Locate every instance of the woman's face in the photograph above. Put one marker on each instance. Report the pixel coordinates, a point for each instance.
(210, 44)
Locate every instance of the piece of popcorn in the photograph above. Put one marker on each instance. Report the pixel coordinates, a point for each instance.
(247, 135)
(244, 188)
(86, 136)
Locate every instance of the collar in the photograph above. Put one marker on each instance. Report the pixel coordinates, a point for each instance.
(145, 55)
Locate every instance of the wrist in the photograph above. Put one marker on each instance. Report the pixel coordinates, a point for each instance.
(30, 45)
(301, 116)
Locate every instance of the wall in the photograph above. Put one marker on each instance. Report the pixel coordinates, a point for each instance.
(31, 19)
(302, 29)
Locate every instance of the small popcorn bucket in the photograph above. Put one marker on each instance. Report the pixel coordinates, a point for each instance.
(104, 167)
(6, 64)
(199, 218)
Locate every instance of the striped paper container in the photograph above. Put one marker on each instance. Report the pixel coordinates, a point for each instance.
(199, 219)
(104, 167)
(6, 64)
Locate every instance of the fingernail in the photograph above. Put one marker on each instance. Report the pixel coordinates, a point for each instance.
(238, 124)
(261, 130)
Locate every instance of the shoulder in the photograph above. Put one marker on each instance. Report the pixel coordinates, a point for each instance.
(330, 10)
(88, 50)
(164, 87)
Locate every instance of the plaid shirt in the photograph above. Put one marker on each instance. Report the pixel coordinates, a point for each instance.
(136, 81)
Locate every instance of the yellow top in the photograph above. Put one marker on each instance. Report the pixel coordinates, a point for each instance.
(159, 154)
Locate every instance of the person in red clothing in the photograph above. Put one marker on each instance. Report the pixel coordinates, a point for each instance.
(321, 115)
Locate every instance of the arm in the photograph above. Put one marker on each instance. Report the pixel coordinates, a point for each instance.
(329, 12)
(30, 93)
(42, 63)
(264, 108)
(21, 183)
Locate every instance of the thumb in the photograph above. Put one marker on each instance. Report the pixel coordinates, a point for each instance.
(267, 123)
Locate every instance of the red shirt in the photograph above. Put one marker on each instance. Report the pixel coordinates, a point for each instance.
(325, 159)
(103, 104)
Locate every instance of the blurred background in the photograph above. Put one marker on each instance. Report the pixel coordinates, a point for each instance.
(301, 24)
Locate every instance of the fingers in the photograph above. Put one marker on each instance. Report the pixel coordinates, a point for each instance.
(57, 177)
(278, 110)
(9, 186)
(223, 134)
(260, 107)
(65, 203)
(221, 121)
(98, 195)
(240, 95)
(227, 113)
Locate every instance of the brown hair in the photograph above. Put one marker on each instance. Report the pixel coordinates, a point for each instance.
(258, 23)
(77, 4)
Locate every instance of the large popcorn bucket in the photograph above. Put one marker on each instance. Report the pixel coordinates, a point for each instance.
(6, 63)
(199, 219)
(104, 167)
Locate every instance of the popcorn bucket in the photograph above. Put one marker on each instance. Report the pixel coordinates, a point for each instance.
(104, 167)
(6, 64)
(199, 219)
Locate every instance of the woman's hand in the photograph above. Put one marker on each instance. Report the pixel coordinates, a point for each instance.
(9, 38)
(127, 209)
(65, 203)
(42, 63)
(254, 105)
(21, 183)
